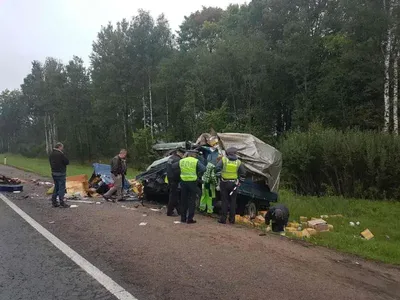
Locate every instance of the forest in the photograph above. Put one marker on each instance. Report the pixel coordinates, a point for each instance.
(273, 68)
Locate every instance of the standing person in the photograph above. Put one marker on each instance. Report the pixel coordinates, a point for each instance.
(208, 188)
(118, 172)
(58, 163)
(278, 215)
(173, 182)
(190, 170)
(231, 171)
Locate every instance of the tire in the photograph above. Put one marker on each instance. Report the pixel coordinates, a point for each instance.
(251, 210)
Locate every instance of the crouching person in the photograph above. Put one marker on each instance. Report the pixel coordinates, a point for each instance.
(278, 216)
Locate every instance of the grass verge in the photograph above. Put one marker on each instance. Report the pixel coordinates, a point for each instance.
(41, 166)
(381, 217)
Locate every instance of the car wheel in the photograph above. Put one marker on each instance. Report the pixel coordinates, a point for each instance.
(251, 210)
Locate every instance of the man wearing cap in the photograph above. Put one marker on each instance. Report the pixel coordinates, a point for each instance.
(173, 182)
(278, 215)
(231, 171)
(190, 170)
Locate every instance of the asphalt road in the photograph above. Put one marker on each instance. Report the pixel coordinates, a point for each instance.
(167, 261)
(32, 268)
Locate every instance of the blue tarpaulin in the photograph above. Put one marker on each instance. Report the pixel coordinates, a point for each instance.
(104, 171)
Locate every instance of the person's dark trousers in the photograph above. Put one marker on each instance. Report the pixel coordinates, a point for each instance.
(173, 198)
(59, 187)
(278, 226)
(228, 201)
(188, 200)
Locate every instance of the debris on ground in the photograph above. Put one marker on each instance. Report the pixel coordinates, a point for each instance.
(177, 222)
(303, 219)
(358, 223)
(98, 202)
(7, 180)
(367, 234)
(352, 224)
(73, 206)
(81, 201)
(51, 222)
(143, 224)
(155, 209)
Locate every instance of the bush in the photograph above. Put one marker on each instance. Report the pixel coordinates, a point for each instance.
(351, 164)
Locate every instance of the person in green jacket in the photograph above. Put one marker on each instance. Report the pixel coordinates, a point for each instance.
(208, 187)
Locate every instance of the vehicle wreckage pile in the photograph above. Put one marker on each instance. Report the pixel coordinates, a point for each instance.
(263, 164)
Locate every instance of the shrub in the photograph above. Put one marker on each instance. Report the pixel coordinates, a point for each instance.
(351, 164)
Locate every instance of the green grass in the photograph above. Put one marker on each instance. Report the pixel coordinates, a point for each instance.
(41, 166)
(380, 217)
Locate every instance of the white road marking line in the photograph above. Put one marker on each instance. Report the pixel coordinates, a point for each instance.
(113, 287)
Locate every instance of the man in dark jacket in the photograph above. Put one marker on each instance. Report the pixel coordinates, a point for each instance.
(279, 216)
(118, 172)
(231, 171)
(58, 163)
(173, 182)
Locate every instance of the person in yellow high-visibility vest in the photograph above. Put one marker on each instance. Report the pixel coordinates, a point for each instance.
(231, 171)
(190, 170)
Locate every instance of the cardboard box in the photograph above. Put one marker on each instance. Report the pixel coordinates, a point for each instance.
(312, 231)
(366, 234)
(305, 233)
(303, 219)
(321, 227)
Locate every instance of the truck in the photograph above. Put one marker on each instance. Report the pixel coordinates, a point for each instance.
(263, 164)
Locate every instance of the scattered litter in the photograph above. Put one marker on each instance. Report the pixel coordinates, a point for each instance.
(336, 216)
(98, 202)
(26, 196)
(155, 209)
(73, 206)
(324, 216)
(262, 234)
(330, 227)
(144, 215)
(17, 192)
(123, 206)
(177, 222)
(318, 224)
(282, 233)
(299, 228)
(51, 222)
(358, 223)
(81, 201)
(367, 234)
(143, 224)
(388, 237)
(352, 224)
(356, 262)
(136, 205)
(268, 229)
(303, 219)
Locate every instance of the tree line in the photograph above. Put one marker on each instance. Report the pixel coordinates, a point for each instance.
(267, 67)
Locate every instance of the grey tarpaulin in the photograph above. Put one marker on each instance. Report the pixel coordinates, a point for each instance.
(257, 156)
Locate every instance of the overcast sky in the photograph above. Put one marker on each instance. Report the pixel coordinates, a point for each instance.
(35, 29)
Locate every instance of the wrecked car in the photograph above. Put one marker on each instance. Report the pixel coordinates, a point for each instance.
(262, 161)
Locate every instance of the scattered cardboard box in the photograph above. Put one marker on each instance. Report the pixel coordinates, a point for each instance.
(259, 220)
(293, 224)
(303, 219)
(367, 234)
(305, 233)
(312, 231)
